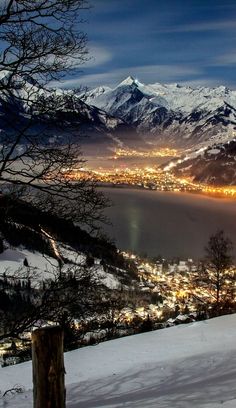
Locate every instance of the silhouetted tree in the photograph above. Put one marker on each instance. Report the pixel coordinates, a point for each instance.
(41, 41)
(89, 261)
(61, 300)
(25, 262)
(146, 325)
(218, 274)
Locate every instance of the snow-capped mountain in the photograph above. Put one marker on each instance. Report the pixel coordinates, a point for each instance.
(170, 113)
(166, 114)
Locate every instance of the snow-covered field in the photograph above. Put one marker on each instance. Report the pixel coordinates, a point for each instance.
(185, 366)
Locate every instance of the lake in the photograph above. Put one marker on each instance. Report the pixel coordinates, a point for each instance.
(166, 223)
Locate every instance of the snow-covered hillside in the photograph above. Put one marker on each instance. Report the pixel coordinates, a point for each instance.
(41, 267)
(46, 107)
(185, 366)
(48, 242)
(170, 112)
(215, 165)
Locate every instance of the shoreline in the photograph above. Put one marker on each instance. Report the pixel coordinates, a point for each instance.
(115, 186)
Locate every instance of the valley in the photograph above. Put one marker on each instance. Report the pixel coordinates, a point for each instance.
(152, 178)
(196, 126)
(154, 211)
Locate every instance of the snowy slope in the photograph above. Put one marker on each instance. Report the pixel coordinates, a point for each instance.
(215, 165)
(42, 267)
(47, 241)
(185, 366)
(27, 98)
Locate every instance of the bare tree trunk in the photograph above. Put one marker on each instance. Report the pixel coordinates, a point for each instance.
(48, 368)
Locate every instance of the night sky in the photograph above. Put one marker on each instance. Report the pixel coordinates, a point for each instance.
(191, 42)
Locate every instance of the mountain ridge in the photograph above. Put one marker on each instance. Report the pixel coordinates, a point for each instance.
(25, 100)
(170, 113)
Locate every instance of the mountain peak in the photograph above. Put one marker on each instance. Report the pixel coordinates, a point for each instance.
(128, 81)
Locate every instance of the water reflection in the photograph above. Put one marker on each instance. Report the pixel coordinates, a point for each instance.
(133, 216)
(167, 223)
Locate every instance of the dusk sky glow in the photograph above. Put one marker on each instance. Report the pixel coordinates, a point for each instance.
(191, 42)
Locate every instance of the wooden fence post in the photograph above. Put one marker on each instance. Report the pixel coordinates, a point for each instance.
(48, 367)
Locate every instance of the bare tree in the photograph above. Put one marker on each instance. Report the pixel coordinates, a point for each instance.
(40, 42)
(41, 38)
(218, 272)
(67, 296)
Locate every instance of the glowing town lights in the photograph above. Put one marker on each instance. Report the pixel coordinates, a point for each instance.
(161, 152)
(152, 178)
(181, 293)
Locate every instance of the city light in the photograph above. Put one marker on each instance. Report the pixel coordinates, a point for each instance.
(152, 178)
(161, 152)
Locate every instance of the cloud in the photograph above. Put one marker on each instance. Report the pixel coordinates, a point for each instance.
(225, 59)
(87, 80)
(167, 71)
(94, 57)
(146, 73)
(184, 75)
(200, 26)
(205, 82)
(97, 56)
(209, 81)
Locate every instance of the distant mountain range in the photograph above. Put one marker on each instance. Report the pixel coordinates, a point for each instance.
(170, 114)
(201, 120)
(134, 114)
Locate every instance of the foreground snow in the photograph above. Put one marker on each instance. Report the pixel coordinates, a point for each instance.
(185, 366)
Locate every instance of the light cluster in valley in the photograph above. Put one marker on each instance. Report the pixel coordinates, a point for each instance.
(153, 178)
